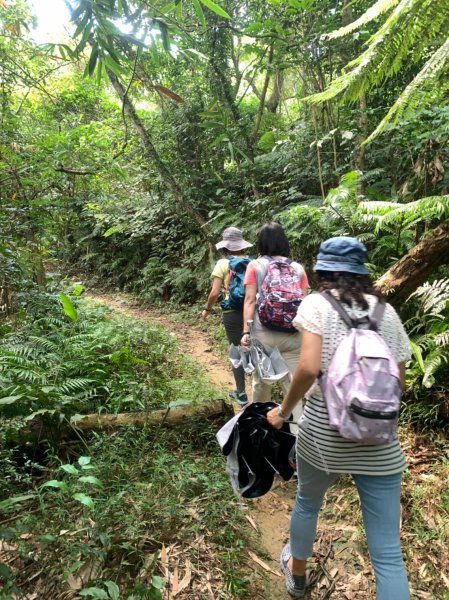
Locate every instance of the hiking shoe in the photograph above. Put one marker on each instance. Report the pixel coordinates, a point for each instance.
(242, 398)
(295, 584)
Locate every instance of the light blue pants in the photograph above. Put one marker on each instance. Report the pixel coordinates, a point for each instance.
(380, 501)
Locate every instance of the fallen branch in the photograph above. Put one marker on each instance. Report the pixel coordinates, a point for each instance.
(174, 416)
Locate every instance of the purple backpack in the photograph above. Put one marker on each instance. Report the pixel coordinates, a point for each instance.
(362, 387)
(279, 296)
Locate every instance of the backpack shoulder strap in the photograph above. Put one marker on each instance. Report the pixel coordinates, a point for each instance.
(261, 265)
(338, 307)
(376, 317)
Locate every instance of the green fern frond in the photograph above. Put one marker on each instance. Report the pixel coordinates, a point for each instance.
(434, 296)
(44, 343)
(9, 360)
(14, 349)
(24, 375)
(418, 90)
(50, 322)
(404, 38)
(72, 386)
(425, 341)
(433, 362)
(406, 28)
(387, 214)
(442, 339)
(379, 8)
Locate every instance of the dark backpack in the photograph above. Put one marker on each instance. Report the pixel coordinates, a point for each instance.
(362, 387)
(279, 296)
(235, 288)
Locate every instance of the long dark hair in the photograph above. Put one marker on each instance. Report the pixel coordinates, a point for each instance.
(272, 241)
(350, 286)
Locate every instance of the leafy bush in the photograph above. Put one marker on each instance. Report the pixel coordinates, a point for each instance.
(428, 372)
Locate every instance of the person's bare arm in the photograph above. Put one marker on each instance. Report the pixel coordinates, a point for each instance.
(214, 294)
(304, 376)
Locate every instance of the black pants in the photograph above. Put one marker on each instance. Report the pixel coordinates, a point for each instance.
(233, 324)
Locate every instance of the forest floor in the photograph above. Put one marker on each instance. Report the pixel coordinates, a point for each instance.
(340, 568)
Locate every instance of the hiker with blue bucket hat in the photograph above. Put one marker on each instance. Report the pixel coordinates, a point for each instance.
(348, 424)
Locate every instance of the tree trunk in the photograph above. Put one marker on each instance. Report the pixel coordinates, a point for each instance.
(274, 98)
(173, 416)
(413, 268)
(39, 429)
(154, 157)
(359, 153)
(263, 95)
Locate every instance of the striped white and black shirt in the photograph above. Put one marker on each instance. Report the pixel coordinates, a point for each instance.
(319, 445)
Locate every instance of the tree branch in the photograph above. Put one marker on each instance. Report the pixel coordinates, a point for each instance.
(70, 171)
(263, 96)
(153, 155)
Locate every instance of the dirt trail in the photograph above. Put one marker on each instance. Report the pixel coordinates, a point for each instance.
(340, 567)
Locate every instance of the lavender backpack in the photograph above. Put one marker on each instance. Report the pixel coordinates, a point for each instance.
(362, 387)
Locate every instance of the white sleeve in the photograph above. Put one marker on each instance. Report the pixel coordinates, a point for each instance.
(310, 314)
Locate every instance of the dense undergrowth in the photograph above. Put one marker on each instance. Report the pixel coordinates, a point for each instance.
(216, 131)
(57, 366)
(109, 515)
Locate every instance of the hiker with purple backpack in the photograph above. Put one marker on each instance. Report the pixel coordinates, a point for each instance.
(274, 288)
(352, 368)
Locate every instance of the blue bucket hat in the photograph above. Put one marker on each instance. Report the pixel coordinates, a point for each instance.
(344, 254)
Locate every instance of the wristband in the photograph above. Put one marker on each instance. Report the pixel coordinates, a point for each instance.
(206, 309)
(282, 414)
(245, 333)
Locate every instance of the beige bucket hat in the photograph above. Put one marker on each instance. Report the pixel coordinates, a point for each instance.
(232, 240)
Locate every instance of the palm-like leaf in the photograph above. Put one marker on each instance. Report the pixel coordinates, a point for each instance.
(431, 347)
(442, 339)
(405, 36)
(419, 90)
(380, 7)
(387, 214)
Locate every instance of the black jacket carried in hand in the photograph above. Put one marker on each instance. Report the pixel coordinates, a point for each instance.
(255, 451)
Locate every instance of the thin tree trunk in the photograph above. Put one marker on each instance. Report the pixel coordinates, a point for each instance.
(40, 429)
(413, 268)
(274, 98)
(154, 157)
(359, 155)
(263, 96)
(318, 154)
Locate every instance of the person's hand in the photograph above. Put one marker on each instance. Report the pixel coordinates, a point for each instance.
(274, 418)
(204, 314)
(245, 340)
